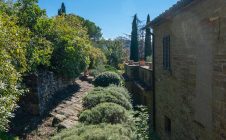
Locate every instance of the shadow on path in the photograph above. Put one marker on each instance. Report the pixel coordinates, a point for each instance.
(24, 123)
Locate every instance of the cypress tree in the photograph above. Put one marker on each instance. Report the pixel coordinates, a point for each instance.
(134, 48)
(148, 49)
(62, 10)
(59, 12)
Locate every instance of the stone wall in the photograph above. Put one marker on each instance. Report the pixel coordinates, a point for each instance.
(139, 83)
(192, 95)
(42, 87)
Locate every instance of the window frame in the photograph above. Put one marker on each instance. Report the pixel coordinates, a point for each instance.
(168, 125)
(166, 53)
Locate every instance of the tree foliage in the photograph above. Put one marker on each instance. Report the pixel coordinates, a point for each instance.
(13, 40)
(71, 53)
(117, 53)
(94, 31)
(148, 49)
(32, 17)
(30, 41)
(97, 57)
(134, 48)
(28, 13)
(62, 10)
(114, 51)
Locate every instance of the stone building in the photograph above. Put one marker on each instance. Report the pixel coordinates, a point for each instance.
(190, 71)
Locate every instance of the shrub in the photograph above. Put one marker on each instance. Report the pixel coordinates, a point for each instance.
(120, 90)
(97, 57)
(13, 41)
(110, 68)
(107, 78)
(97, 132)
(101, 96)
(104, 113)
(114, 94)
(100, 68)
(141, 118)
(148, 59)
(97, 70)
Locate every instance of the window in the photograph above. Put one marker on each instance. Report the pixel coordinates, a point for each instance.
(167, 125)
(166, 52)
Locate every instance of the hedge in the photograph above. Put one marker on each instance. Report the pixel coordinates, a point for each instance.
(97, 132)
(110, 94)
(107, 78)
(105, 113)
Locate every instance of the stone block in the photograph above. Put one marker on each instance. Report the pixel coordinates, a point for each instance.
(57, 119)
(66, 124)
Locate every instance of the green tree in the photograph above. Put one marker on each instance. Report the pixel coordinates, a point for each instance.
(13, 41)
(41, 47)
(117, 53)
(97, 57)
(28, 13)
(71, 46)
(94, 31)
(62, 10)
(6, 7)
(148, 49)
(29, 40)
(134, 48)
(114, 50)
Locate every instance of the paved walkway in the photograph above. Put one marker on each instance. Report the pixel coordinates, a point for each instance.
(65, 115)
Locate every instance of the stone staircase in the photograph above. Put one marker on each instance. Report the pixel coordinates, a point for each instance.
(64, 115)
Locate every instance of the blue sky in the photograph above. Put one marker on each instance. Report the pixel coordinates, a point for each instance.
(113, 16)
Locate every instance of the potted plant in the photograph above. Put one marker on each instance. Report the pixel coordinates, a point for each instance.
(142, 62)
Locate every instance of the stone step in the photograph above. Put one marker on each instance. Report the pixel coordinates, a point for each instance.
(67, 124)
(58, 118)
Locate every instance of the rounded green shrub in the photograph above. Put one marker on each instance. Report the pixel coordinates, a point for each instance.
(105, 113)
(120, 90)
(97, 132)
(110, 94)
(107, 78)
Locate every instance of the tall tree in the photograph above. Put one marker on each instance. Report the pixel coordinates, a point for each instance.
(148, 49)
(28, 13)
(134, 48)
(94, 31)
(62, 10)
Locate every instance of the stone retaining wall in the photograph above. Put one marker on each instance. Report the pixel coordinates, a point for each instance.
(42, 87)
(139, 83)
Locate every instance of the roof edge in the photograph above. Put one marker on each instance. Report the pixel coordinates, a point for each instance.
(171, 11)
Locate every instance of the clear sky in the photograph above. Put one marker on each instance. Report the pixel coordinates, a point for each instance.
(114, 17)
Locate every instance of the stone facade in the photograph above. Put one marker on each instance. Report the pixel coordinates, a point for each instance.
(191, 96)
(42, 87)
(139, 82)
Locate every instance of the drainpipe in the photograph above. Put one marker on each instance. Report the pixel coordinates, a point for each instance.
(153, 76)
